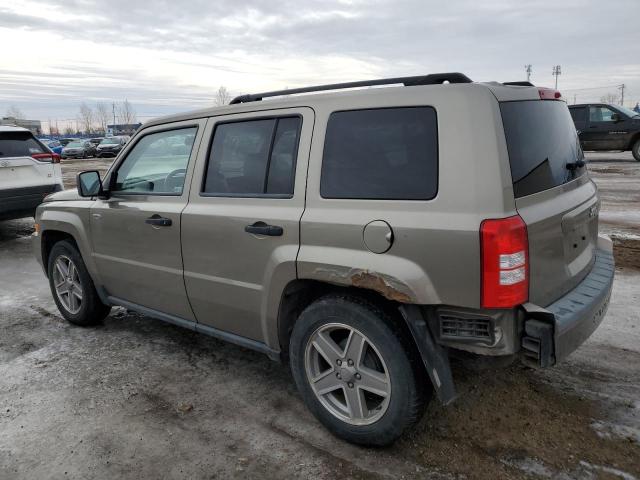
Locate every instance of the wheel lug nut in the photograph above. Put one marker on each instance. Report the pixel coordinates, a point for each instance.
(339, 362)
(338, 375)
(350, 362)
(350, 384)
(357, 376)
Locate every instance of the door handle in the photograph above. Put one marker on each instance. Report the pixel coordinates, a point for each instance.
(158, 221)
(261, 228)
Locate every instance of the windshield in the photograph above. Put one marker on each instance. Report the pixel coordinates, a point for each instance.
(110, 141)
(75, 144)
(542, 141)
(628, 112)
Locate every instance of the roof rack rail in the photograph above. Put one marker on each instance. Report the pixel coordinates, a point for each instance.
(523, 83)
(431, 79)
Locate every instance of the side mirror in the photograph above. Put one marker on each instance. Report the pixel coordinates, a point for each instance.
(615, 117)
(89, 184)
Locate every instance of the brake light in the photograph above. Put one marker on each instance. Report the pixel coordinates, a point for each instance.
(46, 157)
(504, 247)
(549, 94)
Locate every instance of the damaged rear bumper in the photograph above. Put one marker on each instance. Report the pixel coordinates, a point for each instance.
(553, 332)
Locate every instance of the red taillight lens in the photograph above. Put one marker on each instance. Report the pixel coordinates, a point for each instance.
(56, 158)
(549, 94)
(505, 262)
(45, 157)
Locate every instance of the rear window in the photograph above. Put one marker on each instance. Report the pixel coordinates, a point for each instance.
(384, 154)
(19, 144)
(542, 140)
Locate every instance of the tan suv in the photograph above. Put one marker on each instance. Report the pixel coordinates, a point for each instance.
(363, 235)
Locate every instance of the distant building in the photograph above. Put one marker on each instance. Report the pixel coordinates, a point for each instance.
(122, 129)
(34, 125)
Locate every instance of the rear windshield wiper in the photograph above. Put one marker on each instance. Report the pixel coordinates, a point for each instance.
(575, 165)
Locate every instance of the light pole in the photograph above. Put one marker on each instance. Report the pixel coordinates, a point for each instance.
(527, 68)
(556, 72)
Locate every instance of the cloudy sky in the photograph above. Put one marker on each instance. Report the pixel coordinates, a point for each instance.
(172, 55)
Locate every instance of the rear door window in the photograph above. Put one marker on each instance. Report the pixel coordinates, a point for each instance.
(541, 140)
(385, 154)
(579, 116)
(253, 158)
(19, 144)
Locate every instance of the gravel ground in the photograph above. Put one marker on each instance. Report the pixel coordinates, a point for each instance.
(137, 398)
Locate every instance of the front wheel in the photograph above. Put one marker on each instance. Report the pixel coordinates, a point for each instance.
(356, 371)
(635, 150)
(72, 287)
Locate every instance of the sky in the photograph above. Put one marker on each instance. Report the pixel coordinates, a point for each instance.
(167, 56)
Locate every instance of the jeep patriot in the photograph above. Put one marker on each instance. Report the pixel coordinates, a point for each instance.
(364, 236)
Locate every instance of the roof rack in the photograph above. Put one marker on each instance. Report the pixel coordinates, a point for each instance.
(431, 79)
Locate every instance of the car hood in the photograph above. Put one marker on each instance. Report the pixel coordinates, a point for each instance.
(63, 196)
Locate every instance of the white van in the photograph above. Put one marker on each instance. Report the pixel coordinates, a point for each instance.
(29, 171)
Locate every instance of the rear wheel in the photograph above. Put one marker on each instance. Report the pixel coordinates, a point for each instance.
(72, 287)
(355, 371)
(635, 150)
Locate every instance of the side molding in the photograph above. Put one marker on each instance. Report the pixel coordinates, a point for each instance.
(199, 327)
(434, 356)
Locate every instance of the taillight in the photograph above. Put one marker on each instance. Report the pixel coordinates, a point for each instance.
(46, 157)
(504, 249)
(549, 94)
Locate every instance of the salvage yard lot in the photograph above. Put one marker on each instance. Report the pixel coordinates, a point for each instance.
(139, 398)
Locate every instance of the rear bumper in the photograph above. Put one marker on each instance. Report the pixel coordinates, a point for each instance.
(552, 333)
(22, 202)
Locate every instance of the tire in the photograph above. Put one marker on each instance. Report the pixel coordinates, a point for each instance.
(85, 310)
(387, 355)
(635, 150)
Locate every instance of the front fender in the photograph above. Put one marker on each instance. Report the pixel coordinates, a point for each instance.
(71, 218)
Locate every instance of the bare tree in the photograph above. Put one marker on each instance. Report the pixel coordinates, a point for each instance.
(85, 117)
(223, 97)
(15, 112)
(610, 98)
(102, 116)
(126, 113)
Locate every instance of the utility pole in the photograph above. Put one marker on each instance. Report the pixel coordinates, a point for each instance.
(574, 98)
(621, 88)
(114, 117)
(556, 72)
(527, 68)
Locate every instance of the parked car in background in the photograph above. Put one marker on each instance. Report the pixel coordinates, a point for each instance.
(79, 149)
(362, 236)
(28, 172)
(54, 145)
(111, 146)
(603, 126)
(96, 141)
(66, 141)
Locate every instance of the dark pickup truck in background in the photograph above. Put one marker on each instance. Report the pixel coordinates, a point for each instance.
(602, 126)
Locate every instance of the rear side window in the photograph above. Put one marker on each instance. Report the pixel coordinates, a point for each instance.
(382, 154)
(19, 144)
(579, 114)
(541, 140)
(253, 157)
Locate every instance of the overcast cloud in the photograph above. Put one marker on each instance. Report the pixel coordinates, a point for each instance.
(166, 56)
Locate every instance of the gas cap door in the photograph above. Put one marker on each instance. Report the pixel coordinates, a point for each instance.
(377, 236)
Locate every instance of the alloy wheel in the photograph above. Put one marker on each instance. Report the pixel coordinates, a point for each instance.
(347, 374)
(66, 280)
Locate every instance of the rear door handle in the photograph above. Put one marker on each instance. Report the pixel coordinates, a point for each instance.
(261, 228)
(158, 221)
